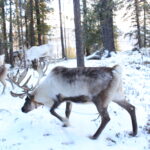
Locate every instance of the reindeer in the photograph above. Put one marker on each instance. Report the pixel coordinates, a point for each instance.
(3, 72)
(39, 66)
(18, 57)
(99, 85)
(3, 76)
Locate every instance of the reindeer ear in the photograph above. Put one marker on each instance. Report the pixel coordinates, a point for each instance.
(30, 96)
(22, 96)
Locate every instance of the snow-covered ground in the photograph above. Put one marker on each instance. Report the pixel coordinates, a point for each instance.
(38, 130)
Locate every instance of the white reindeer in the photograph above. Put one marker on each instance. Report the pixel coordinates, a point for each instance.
(99, 85)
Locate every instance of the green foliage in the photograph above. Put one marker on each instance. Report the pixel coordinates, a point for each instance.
(94, 12)
(93, 29)
(91, 25)
(44, 10)
(21, 20)
(43, 28)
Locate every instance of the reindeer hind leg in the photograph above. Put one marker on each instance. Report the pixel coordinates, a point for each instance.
(4, 86)
(131, 110)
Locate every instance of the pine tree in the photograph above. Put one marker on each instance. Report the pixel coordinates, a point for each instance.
(145, 23)
(78, 34)
(45, 28)
(38, 21)
(18, 22)
(61, 31)
(139, 11)
(26, 25)
(4, 32)
(91, 27)
(98, 25)
(31, 24)
(106, 22)
(10, 35)
(85, 28)
(35, 17)
(137, 20)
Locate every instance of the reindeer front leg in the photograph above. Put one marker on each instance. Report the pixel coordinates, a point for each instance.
(60, 99)
(4, 86)
(105, 119)
(52, 111)
(68, 109)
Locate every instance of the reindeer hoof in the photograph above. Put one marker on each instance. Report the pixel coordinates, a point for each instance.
(92, 137)
(64, 125)
(132, 134)
(66, 122)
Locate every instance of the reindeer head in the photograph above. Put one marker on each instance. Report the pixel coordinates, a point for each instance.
(35, 64)
(17, 79)
(30, 104)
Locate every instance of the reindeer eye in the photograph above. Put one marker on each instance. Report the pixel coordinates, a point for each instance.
(28, 100)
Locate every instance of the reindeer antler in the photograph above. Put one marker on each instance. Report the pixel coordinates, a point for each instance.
(17, 79)
(40, 66)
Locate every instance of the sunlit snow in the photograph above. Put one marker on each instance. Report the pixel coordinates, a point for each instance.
(39, 130)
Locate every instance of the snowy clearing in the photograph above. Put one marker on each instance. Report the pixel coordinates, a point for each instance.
(38, 130)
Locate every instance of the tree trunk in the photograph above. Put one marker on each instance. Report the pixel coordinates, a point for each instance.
(22, 35)
(106, 20)
(31, 25)
(11, 35)
(5, 42)
(43, 23)
(1, 48)
(144, 28)
(136, 3)
(38, 21)
(21, 24)
(85, 48)
(18, 23)
(61, 31)
(78, 34)
(27, 43)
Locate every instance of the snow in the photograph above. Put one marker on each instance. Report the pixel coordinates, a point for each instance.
(38, 130)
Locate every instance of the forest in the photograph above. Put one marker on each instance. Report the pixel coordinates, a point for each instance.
(25, 24)
(103, 48)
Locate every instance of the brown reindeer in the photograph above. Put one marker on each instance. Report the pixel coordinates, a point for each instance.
(99, 85)
(18, 57)
(3, 76)
(39, 66)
